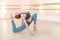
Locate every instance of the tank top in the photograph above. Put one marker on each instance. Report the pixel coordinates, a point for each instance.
(28, 15)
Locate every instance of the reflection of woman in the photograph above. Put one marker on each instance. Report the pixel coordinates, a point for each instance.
(27, 19)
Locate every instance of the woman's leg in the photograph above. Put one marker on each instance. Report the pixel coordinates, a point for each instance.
(15, 30)
(34, 18)
(14, 26)
(22, 27)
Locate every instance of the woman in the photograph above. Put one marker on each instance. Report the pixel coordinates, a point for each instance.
(27, 19)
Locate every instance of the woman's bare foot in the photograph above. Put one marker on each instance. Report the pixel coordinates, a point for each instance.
(35, 28)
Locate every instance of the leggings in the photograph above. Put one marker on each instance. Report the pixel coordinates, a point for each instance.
(23, 26)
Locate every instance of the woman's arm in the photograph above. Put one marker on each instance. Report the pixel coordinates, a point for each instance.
(23, 17)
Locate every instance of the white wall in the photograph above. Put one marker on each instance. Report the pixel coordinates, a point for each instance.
(20, 4)
(50, 15)
(42, 14)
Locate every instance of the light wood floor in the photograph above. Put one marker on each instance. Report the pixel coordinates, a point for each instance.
(46, 30)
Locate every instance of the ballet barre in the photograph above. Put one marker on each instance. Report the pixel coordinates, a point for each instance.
(43, 4)
(32, 9)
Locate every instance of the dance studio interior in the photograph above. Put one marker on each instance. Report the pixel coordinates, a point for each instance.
(47, 24)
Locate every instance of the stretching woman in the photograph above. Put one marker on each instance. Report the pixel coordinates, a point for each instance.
(27, 19)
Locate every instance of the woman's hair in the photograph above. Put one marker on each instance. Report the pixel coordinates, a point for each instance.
(18, 16)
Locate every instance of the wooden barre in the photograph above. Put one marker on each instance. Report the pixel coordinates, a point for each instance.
(58, 3)
(6, 18)
(43, 4)
(42, 9)
(11, 5)
(31, 9)
(12, 8)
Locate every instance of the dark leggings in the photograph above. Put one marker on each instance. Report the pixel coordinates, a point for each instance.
(23, 26)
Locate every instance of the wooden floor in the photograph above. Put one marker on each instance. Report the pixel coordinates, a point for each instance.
(46, 30)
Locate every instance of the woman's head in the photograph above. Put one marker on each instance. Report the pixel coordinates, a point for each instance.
(18, 16)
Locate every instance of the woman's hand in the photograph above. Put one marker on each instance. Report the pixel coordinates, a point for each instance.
(11, 17)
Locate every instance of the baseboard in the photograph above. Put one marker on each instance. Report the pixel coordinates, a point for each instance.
(50, 18)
